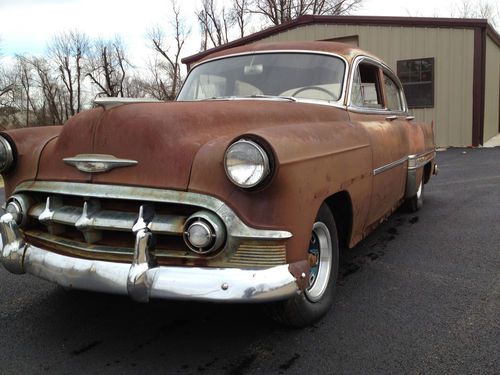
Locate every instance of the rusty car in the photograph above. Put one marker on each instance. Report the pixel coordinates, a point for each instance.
(243, 189)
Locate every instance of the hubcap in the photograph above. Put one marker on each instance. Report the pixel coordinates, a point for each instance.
(320, 261)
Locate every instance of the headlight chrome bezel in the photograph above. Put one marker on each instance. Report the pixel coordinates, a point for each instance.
(267, 163)
(6, 165)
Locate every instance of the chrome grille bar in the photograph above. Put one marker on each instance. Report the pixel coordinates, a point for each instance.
(102, 220)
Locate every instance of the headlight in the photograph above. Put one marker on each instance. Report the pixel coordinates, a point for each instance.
(6, 155)
(246, 163)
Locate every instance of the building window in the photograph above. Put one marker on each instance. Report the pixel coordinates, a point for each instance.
(417, 77)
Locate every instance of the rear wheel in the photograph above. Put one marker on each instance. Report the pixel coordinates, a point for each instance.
(415, 203)
(323, 254)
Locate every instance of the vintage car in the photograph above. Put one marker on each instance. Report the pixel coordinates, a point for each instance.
(242, 190)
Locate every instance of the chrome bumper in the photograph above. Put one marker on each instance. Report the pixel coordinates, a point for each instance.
(142, 280)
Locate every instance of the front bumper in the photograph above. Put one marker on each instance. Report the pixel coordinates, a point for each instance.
(142, 280)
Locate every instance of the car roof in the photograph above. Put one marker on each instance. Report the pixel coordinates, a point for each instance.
(345, 50)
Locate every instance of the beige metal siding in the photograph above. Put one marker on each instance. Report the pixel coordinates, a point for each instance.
(453, 52)
(492, 89)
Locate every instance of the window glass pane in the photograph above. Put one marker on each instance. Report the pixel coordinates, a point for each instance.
(417, 77)
(302, 75)
(366, 88)
(356, 97)
(392, 93)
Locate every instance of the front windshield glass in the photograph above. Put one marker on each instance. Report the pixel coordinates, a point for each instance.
(297, 75)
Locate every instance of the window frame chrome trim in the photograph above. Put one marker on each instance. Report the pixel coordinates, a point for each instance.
(337, 103)
(374, 111)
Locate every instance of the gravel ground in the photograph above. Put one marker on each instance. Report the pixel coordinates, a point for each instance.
(420, 295)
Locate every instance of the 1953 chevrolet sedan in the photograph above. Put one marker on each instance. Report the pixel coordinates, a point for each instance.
(242, 190)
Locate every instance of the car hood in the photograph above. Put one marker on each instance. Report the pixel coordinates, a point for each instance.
(163, 137)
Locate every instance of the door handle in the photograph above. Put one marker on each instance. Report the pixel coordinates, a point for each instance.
(409, 118)
(391, 118)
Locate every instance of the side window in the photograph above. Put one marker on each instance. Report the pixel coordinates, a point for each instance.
(393, 94)
(366, 87)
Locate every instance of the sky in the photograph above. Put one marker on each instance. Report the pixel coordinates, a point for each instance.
(27, 26)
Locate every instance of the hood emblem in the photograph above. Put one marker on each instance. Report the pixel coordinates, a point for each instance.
(97, 163)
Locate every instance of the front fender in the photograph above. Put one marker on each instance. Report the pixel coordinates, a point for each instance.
(29, 144)
(313, 162)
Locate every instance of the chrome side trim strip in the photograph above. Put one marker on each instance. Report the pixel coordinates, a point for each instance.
(235, 227)
(386, 167)
(97, 163)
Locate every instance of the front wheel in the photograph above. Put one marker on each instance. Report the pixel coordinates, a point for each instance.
(323, 255)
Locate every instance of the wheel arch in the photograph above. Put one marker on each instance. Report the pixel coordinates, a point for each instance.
(340, 205)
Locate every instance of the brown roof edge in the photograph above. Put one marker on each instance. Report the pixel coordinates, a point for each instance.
(358, 20)
(492, 33)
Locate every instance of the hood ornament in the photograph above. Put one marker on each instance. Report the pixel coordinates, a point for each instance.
(97, 163)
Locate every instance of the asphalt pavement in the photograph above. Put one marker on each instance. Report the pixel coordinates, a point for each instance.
(420, 295)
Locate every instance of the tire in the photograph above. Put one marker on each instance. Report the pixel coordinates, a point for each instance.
(312, 304)
(416, 202)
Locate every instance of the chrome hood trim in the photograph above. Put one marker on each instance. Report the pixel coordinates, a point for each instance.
(97, 163)
(111, 102)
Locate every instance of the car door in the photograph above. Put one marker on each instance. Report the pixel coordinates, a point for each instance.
(375, 105)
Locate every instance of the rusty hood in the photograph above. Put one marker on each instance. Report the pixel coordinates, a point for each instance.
(164, 137)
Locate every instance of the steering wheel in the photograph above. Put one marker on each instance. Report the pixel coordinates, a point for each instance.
(314, 88)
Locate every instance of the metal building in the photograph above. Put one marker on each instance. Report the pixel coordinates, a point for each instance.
(449, 68)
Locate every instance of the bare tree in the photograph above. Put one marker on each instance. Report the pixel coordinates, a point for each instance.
(214, 24)
(107, 67)
(477, 9)
(24, 75)
(68, 50)
(6, 84)
(239, 14)
(280, 11)
(166, 67)
(53, 109)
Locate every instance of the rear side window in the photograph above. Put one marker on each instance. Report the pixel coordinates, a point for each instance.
(366, 87)
(393, 94)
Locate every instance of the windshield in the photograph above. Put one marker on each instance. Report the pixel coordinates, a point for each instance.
(285, 75)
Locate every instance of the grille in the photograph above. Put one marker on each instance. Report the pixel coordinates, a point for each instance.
(257, 254)
(95, 222)
(102, 228)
